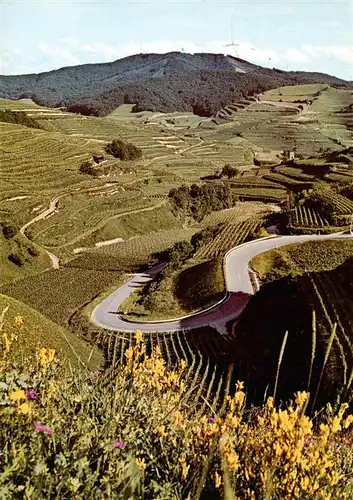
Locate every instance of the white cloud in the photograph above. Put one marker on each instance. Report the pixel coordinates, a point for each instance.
(61, 55)
(340, 52)
(296, 55)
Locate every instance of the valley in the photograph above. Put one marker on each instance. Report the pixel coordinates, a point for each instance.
(82, 229)
(176, 253)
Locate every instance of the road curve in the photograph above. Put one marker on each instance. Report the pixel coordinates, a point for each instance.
(238, 284)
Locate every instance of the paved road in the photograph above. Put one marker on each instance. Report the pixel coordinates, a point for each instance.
(238, 286)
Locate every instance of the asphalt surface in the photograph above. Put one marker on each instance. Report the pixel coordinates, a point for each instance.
(238, 284)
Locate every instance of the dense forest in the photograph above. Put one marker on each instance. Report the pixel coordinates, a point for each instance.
(201, 83)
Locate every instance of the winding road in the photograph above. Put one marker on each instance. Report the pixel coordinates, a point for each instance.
(238, 285)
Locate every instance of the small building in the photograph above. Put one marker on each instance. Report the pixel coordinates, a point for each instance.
(289, 155)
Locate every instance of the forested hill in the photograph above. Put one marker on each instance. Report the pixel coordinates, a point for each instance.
(202, 83)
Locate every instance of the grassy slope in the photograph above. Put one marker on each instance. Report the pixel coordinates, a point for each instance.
(39, 331)
(195, 287)
(303, 257)
(31, 263)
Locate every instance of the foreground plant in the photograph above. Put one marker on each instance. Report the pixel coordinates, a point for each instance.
(128, 433)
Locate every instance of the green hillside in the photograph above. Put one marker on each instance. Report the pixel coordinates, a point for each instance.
(33, 330)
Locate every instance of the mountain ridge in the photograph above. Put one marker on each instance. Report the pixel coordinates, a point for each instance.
(175, 81)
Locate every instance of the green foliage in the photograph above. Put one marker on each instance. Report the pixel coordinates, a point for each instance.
(229, 171)
(16, 259)
(125, 151)
(198, 201)
(8, 229)
(19, 118)
(87, 168)
(200, 285)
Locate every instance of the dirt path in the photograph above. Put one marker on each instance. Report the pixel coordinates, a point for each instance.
(46, 213)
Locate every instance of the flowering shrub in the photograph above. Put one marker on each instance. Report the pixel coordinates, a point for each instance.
(128, 433)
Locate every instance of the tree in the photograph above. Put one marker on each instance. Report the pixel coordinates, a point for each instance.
(87, 168)
(123, 150)
(8, 229)
(229, 171)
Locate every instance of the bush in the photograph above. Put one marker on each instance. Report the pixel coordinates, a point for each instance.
(198, 201)
(123, 150)
(16, 258)
(229, 171)
(129, 433)
(8, 229)
(33, 252)
(87, 168)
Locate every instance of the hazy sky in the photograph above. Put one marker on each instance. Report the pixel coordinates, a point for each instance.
(298, 34)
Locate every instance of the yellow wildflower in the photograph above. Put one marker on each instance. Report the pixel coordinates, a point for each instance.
(336, 424)
(129, 353)
(6, 342)
(301, 398)
(184, 468)
(24, 408)
(141, 464)
(218, 480)
(45, 356)
(239, 385)
(18, 321)
(270, 402)
(232, 460)
(52, 389)
(239, 397)
(348, 421)
(178, 418)
(17, 395)
(161, 431)
(138, 336)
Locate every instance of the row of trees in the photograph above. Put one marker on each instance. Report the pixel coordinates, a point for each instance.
(19, 118)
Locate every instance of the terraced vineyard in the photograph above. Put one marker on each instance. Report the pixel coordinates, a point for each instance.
(240, 212)
(275, 195)
(231, 236)
(330, 294)
(294, 173)
(250, 181)
(304, 216)
(144, 246)
(207, 363)
(339, 204)
(284, 180)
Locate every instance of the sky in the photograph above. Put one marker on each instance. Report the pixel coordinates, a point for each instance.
(310, 35)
